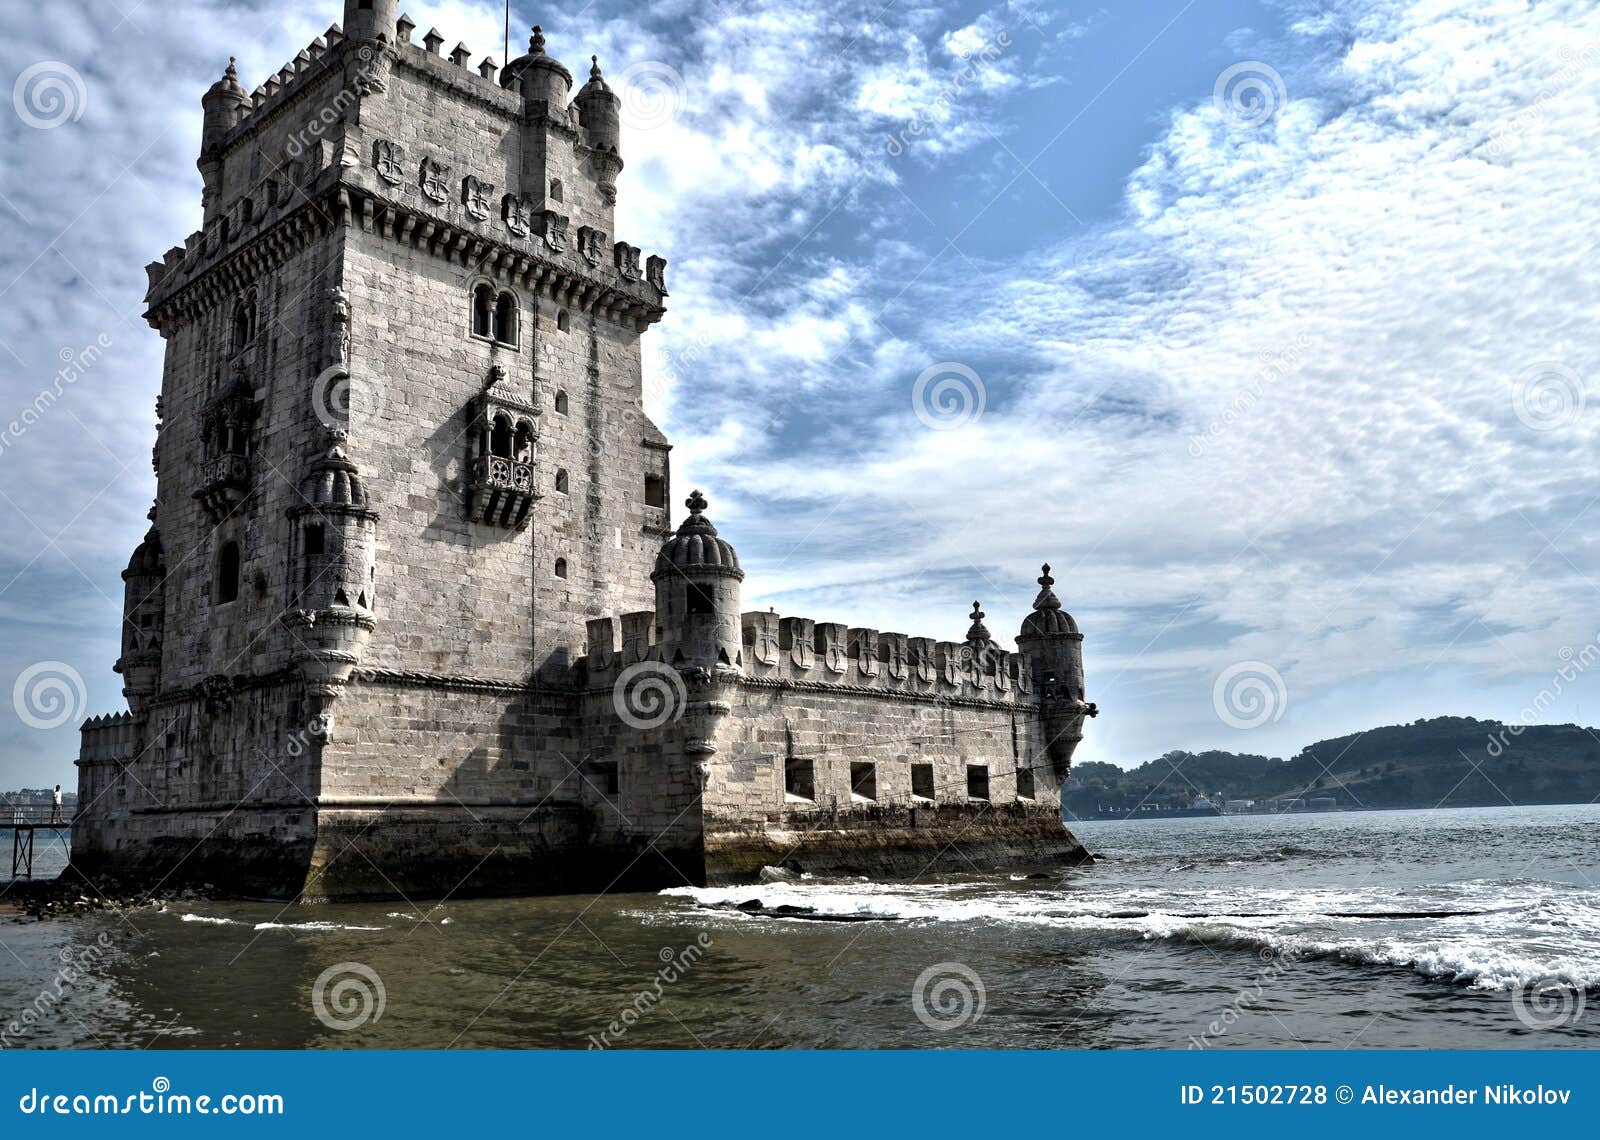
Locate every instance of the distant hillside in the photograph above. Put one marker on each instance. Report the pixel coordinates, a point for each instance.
(1444, 762)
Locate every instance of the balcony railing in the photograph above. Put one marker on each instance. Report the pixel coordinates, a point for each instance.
(502, 491)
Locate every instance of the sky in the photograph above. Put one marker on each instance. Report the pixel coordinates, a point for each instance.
(1270, 326)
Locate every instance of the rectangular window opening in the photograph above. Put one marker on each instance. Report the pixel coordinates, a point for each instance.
(1024, 783)
(700, 599)
(799, 780)
(863, 781)
(606, 776)
(922, 782)
(977, 781)
(655, 491)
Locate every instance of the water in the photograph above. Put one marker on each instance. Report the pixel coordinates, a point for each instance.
(1216, 931)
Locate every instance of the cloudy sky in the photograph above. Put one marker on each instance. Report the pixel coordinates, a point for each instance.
(1269, 325)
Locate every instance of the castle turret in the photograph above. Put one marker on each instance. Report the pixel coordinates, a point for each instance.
(370, 20)
(143, 611)
(600, 112)
(223, 105)
(697, 579)
(546, 83)
(1050, 637)
(333, 553)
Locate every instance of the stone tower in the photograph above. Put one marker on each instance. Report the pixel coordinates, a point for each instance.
(404, 453)
(407, 499)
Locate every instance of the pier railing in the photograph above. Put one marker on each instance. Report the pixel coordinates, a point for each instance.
(23, 821)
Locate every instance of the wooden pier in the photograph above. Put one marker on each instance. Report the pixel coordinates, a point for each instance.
(25, 822)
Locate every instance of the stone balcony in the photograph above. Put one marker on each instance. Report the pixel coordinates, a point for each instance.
(502, 491)
(224, 482)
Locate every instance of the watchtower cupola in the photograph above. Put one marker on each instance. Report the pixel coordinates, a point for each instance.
(697, 579)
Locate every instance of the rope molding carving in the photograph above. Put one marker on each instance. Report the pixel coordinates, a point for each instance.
(890, 694)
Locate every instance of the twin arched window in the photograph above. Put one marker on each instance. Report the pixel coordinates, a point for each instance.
(494, 316)
(508, 443)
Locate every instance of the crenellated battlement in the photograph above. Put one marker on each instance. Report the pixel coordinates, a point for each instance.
(781, 650)
(113, 737)
(302, 139)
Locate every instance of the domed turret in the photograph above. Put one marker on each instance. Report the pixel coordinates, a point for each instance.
(599, 111)
(1051, 640)
(696, 546)
(1047, 618)
(545, 80)
(697, 578)
(222, 103)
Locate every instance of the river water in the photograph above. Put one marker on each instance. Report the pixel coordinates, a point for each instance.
(1472, 928)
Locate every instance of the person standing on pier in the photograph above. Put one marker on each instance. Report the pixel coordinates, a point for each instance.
(55, 805)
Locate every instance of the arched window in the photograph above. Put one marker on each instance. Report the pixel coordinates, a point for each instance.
(561, 481)
(563, 321)
(244, 322)
(561, 567)
(561, 403)
(483, 310)
(500, 438)
(505, 319)
(555, 190)
(228, 567)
